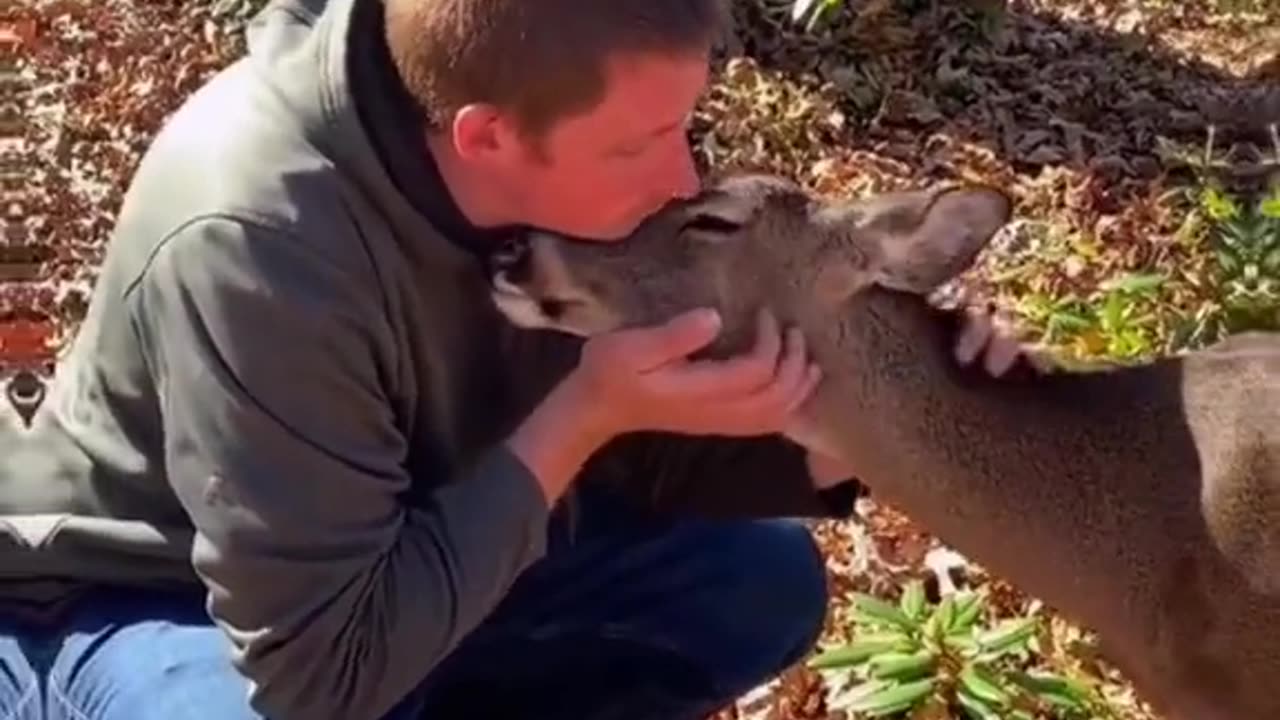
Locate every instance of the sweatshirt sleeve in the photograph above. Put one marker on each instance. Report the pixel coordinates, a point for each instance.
(281, 445)
(719, 477)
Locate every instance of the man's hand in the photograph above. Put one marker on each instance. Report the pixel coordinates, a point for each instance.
(984, 335)
(643, 380)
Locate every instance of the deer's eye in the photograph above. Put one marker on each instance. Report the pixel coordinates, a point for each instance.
(707, 222)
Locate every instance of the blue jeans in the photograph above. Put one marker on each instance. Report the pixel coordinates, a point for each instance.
(628, 618)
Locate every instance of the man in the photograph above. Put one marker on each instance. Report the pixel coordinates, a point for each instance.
(291, 382)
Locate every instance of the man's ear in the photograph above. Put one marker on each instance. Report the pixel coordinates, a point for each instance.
(931, 238)
(483, 134)
(474, 131)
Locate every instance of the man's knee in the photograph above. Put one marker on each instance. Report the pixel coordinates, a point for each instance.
(138, 657)
(784, 584)
(771, 597)
(19, 696)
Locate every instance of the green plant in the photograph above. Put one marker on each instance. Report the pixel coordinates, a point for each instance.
(1133, 317)
(811, 12)
(1122, 320)
(1246, 240)
(913, 654)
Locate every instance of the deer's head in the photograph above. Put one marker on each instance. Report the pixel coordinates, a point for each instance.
(747, 242)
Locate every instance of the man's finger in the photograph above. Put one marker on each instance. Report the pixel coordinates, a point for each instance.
(757, 367)
(770, 409)
(974, 336)
(1001, 354)
(813, 376)
(734, 377)
(777, 395)
(794, 370)
(650, 347)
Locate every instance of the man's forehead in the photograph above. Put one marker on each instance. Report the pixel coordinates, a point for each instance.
(654, 90)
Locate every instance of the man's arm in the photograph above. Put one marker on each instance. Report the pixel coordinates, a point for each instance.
(768, 476)
(282, 448)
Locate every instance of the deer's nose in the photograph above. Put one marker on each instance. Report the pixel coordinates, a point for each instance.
(552, 308)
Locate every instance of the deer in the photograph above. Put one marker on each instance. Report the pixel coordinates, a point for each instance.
(1139, 500)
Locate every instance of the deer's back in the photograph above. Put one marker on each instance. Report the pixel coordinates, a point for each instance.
(1219, 613)
(1232, 397)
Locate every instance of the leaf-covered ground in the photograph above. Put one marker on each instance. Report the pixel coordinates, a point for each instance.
(1124, 128)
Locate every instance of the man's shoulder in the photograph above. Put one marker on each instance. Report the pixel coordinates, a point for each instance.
(234, 155)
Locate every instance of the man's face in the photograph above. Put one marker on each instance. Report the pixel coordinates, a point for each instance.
(600, 173)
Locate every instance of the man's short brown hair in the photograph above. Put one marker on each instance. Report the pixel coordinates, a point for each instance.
(536, 59)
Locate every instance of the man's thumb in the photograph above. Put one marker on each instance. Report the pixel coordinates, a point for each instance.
(674, 339)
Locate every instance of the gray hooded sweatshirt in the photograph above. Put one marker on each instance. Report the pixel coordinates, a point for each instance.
(291, 388)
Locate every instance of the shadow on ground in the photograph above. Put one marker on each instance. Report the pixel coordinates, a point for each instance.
(1116, 100)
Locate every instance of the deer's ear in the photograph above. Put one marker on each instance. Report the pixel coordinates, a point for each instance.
(925, 240)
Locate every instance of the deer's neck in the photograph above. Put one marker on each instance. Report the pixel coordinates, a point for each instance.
(1077, 488)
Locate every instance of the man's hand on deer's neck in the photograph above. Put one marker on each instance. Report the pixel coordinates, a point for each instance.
(980, 336)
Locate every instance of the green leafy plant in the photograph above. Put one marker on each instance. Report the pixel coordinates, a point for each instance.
(906, 655)
(1246, 238)
(1121, 320)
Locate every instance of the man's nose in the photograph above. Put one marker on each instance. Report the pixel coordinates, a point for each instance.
(685, 182)
(690, 182)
